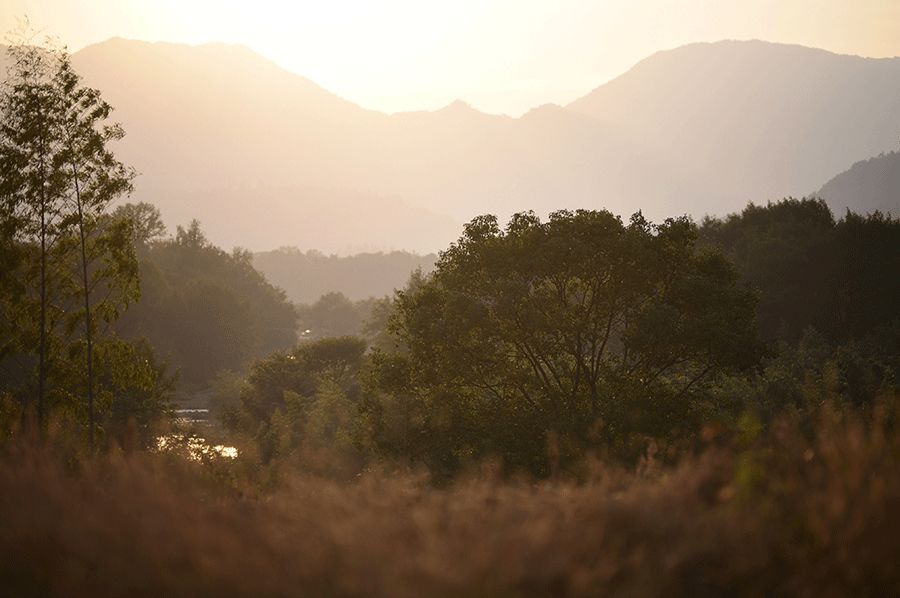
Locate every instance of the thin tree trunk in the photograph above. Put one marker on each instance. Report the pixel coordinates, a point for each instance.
(88, 332)
(42, 358)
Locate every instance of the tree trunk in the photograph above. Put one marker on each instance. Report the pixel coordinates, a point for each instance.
(88, 328)
(42, 350)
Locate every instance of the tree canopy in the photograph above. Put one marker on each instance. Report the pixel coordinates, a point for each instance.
(204, 310)
(841, 277)
(575, 328)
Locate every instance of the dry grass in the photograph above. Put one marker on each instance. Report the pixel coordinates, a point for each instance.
(789, 516)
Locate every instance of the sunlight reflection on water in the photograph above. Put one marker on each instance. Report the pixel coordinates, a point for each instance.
(197, 447)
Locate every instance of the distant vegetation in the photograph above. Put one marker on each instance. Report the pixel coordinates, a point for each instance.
(545, 341)
(307, 276)
(811, 270)
(204, 310)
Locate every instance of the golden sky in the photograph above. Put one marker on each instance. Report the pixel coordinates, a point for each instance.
(502, 56)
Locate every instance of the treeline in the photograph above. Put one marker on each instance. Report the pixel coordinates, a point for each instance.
(204, 310)
(540, 343)
(306, 276)
(543, 342)
(838, 276)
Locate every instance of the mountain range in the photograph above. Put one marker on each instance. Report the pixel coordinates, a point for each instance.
(874, 183)
(266, 158)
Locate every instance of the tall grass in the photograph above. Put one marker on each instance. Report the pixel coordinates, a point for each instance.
(789, 513)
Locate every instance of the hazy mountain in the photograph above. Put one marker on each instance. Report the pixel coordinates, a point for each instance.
(872, 183)
(751, 120)
(262, 156)
(266, 158)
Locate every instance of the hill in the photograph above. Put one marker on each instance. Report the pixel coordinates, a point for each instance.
(752, 120)
(872, 183)
(306, 276)
(267, 158)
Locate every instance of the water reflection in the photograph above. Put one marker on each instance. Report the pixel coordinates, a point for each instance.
(197, 447)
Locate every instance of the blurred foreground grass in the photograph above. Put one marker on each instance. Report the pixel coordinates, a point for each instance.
(794, 511)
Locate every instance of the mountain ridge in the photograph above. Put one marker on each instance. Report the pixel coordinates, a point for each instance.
(875, 181)
(701, 129)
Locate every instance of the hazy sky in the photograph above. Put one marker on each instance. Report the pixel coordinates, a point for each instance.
(498, 55)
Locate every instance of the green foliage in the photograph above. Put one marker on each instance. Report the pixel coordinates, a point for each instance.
(205, 310)
(133, 393)
(306, 399)
(146, 222)
(840, 277)
(334, 315)
(71, 268)
(582, 327)
(805, 377)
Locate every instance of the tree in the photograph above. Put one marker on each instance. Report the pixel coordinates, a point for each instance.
(206, 310)
(839, 277)
(782, 251)
(334, 315)
(32, 188)
(536, 333)
(96, 179)
(58, 179)
(192, 237)
(146, 222)
(314, 380)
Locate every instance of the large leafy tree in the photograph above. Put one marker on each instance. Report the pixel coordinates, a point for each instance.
(569, 331)
(145, 221)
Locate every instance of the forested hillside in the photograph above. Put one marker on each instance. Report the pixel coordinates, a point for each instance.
(204, 310)
(874, 183)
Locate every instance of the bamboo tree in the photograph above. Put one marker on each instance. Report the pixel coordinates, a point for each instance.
(96, 178)
(31, 188)
(57, 178)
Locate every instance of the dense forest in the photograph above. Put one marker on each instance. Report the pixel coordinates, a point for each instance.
(576, 404)
(202, 309)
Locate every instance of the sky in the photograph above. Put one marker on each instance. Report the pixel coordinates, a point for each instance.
(501, 56)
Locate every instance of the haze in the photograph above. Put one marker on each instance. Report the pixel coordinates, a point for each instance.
(500, 56)
(473, 298)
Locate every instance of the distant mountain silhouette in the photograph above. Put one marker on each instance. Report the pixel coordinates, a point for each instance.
(306, 276)
(751, 120)
(267, 158)
(873, 184)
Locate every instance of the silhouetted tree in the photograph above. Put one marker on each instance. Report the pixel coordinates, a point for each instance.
(32, 187)
(534, 333)
(96, 178)
(58, 179)
(146, 222)
(839, 277)
(205, 310)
